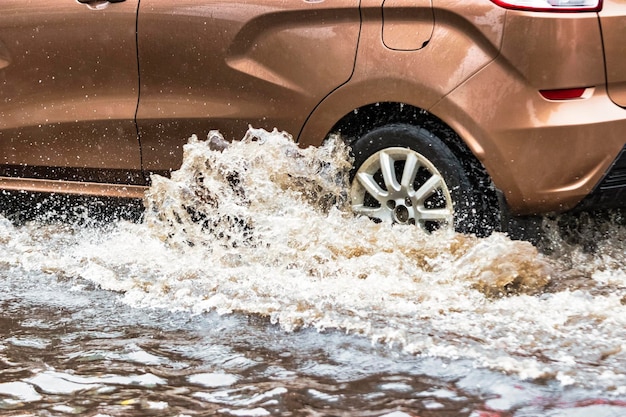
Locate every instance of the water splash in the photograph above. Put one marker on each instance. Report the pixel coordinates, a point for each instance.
(223, 193)
(262, 227)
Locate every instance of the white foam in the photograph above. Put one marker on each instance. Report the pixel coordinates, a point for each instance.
(21, 391)
(262, 228)
(212, 380)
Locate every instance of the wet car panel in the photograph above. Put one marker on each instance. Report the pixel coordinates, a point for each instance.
(69, 88)
(224, 66)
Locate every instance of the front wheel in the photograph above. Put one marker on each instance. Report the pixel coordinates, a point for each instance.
(404, 174)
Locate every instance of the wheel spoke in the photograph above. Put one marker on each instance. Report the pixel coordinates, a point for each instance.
(389, 172)
(382, 212)
(410, 170)
(372, 187)
(428, 188)
(443, 214)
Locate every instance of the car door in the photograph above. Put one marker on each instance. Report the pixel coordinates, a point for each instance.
(208, 64)
(68, 91)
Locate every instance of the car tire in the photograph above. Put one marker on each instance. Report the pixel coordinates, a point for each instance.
(405, 174)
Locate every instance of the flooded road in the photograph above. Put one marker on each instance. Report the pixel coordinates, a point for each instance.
(248, 289)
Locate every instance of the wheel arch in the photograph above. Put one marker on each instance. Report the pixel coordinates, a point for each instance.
(359, 120)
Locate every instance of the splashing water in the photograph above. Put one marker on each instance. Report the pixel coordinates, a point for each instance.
(263, 227)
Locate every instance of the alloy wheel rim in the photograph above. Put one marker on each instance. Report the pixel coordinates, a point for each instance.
(399, 185)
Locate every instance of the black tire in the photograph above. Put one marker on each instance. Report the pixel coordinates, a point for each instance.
(401, 144)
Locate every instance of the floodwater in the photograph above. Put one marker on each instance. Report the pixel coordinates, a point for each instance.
(249, 289)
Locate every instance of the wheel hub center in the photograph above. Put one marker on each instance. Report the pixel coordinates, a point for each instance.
(401, 214)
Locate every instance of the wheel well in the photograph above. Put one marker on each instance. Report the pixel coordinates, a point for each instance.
(356, 123)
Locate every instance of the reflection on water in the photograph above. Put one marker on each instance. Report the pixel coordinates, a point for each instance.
(249, 289)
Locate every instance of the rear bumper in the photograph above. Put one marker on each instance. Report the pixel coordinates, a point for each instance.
(545, 155)
(610, 193)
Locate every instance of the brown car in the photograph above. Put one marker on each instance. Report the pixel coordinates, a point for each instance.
(456, 110)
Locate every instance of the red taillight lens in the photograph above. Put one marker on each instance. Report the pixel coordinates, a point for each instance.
(566, 94)
(552, 5)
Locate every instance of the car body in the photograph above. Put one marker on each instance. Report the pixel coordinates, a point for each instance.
(528, 96)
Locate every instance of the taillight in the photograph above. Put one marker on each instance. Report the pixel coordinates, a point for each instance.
(552, 5)
(566, 94)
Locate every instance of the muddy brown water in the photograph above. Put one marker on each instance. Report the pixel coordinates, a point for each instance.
(242, 292)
